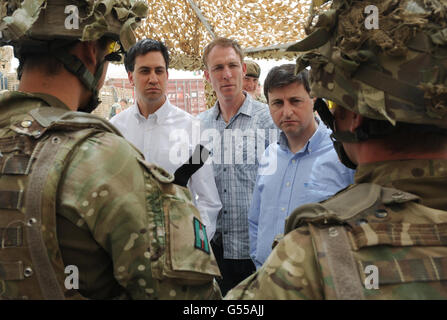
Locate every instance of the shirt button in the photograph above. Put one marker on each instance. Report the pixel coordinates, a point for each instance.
(225, 211)
(287, 184)
(225, 190)
(283, 209)
(293, 161)
(225, 170)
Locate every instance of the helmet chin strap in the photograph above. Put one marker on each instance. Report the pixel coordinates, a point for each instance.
(77, 67)
(350, 137)
(338, 137)
(94, 99)
(338, 146)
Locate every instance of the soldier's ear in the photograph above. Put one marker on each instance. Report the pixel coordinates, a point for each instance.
(207, 75)
(87, 51)
(356, 121)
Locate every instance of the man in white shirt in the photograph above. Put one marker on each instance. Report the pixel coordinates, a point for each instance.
(165, 134)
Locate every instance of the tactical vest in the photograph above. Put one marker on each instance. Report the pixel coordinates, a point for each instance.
(357, 218)
(31, 266)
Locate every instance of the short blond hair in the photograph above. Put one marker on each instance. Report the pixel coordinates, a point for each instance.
(223, 42)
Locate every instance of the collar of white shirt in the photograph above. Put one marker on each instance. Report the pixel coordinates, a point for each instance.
(158, 116)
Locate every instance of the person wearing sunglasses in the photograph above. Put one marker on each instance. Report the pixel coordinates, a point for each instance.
(384, 237)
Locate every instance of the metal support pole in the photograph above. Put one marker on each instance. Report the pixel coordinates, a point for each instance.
(202, 18)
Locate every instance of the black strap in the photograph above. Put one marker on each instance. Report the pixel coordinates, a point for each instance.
(313, 41)
(184, 173)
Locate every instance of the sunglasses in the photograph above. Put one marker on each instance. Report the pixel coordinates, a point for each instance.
(324, 111)
(114, 51)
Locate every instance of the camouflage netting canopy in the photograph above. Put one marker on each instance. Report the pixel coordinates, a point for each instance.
(262, 27)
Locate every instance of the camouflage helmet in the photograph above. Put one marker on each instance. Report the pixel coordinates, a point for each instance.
(392, 66)
(253, 69)
(49, 26)
(84, 20)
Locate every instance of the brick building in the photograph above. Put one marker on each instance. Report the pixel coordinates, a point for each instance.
(187, 94)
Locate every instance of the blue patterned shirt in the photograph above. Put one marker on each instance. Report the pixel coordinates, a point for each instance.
(236, 147)
(313, 174)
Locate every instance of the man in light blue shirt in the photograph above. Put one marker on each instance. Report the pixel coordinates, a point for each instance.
(307, 166)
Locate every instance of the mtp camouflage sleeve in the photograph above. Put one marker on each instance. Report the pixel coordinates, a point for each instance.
(290, 272)
(147, 225)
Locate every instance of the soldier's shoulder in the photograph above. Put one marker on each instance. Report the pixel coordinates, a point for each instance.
(348, 204)
(18, 99)
(289, 272)
(107, 149)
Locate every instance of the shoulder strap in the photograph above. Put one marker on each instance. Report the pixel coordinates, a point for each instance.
(347, 284)
(49, 284)
(49, 118)
(327, 219)
(58, 125)
(346, 205)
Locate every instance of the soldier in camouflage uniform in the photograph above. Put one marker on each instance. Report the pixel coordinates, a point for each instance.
(384, 237)
(251, 81)
(73, 192)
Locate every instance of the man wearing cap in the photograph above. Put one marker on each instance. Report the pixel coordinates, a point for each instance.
(82, 214)
(251, 80)
(384, 236)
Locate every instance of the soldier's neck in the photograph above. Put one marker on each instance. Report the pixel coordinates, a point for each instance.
(373, 151)
(65, 87)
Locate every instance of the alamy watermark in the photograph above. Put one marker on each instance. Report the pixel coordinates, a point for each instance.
(371, 277)
(72, 280)
(72, 19)
(372, 20)
(230, 146)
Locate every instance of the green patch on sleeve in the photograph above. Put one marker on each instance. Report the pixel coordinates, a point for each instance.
(200, 237)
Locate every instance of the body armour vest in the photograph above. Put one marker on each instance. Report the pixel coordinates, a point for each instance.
(368, 230)
(32, 161)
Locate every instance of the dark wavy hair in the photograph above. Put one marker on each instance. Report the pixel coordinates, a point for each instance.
(141, 48)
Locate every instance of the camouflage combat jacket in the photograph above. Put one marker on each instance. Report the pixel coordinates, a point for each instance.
(99, 208)
(385, 237)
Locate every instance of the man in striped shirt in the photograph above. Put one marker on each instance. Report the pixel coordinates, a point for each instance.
(238, 129)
